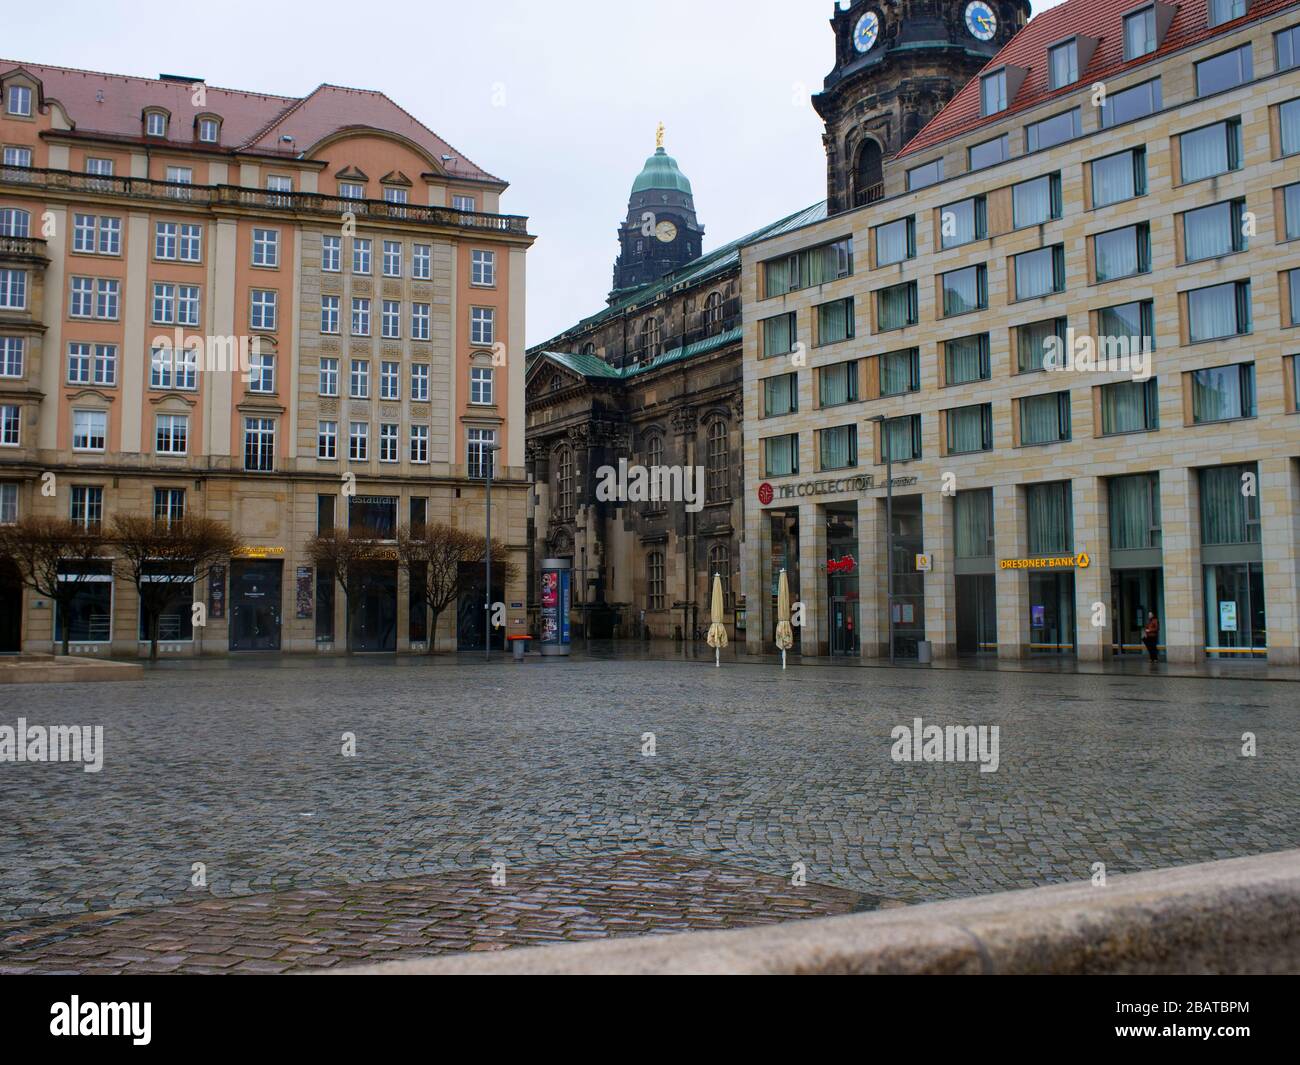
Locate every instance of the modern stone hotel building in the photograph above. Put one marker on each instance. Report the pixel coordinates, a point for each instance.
(385, 291)
(1121, 181)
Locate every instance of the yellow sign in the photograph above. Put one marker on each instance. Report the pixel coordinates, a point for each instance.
(1080, 561)
(259, 552)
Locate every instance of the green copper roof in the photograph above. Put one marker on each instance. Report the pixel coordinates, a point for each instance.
(660, 172)
(594, 366)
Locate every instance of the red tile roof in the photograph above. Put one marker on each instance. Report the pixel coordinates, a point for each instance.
(112, 104)
(1090, 18)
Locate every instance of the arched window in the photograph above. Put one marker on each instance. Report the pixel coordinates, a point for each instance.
(557, 382)
(15, 222)
(868, 174)
(720, 563)
(654, 449)
(589, 349)
(713, 313)
(564, 486)
(654, 581)
(650, 338)
(717, 463)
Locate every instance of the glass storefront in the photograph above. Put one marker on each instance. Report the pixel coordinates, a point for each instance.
(908, 607)
(973, 549)
(784, 537)
(1135, 593)
(1049, 509)
(90, 614)
(842, 566)
(1236, 624)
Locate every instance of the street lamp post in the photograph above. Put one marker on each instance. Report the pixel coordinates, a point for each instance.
(879, 419)
(489, 458)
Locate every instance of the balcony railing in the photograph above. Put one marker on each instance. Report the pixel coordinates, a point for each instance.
(23, 248)
(870, 194)
(261, 199)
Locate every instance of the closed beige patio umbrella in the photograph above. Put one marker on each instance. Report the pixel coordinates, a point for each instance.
(784, 633)
(717, 638)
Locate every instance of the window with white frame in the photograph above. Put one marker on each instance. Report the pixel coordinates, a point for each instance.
(421, 262)
(15, 222)
(155, 124)
(259, 445)
(329, 314)
(10, 425)
(89, 430)
(390, 380)
(419, 443)
(390, 320)
(168, 505)
(86, 505)
(388, 442)
(359, 379)
(329, 376)
(420, 382)
(261, 372)
(92, 364)
(392, 194)
(327, 440)
(181, 177)
(208, 128)
(350, 190)
(171, 367)
(263, 309)
(482, 325)
(96, 234)
(266, 247)
(99, 167)
(479, 451)
(12, 352)
(171, 434)
(480, 385)
(392, 258)
(360, 255)
(18, 101)
(360, 316)
(483, 268)
(331, 252)
(359, 441)
(8, 504)
(419, 321)
(17, 156)
(175, 304)
(462, 203)
(13, 290)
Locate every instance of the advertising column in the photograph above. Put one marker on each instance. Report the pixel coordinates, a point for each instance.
(557, 579)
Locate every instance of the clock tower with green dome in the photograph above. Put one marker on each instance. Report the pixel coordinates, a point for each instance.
(896, 63)
(661, 233)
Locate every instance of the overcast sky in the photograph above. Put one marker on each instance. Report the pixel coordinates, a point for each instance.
(559, 98)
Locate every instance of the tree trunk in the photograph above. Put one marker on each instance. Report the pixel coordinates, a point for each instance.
(155, 618)
(433, 631)
(347, 621)
(65, 609)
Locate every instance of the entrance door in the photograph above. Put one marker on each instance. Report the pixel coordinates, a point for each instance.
(374, 609)
(844, 626)
(977, 614)
(1135, 593)
(1051, 613)
(11, 608)
(471, 618)
(255, 604)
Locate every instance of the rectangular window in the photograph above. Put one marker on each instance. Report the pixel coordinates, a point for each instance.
(390, 380)
(173, 368)
(359, 379)
(421, 262)
(392, 258)
(901, 438)
(1219, 311)
(419, 443)
(1127, 327)
(81, 298)
(18, 101)
(837, 384)
(266, 247)
(420, 382)
(181, 177)
(481, 381)
(359, 441)
(1209, 232)
(1211, 150)
(835, 321)
(360, 255)
(390, 320)
(190, 245)
(1033, 341)
(13, 291)
(900, 372)
(10, 425)
(1122, 252)
(1224, 393)
(263, 306)
(1140, 33)
(331, 252)
(1036, 201)
(1049, 517)
(329, 376)
(350, 190)
(1135, 512)
(973, 521)
(261, 372)
(1289, 119)
(989, 152)
(926, 174)
(327, 440)
(1040, 272)
(895, 241)
(781, 455)
(993, 93)
(1129, 407)
(360, 316)
(92, 364)
(171, 434)
(779, 335)
(1119, 177)
(1228, 514)
(1225, 71)
(970, 429)
(12, 352)
(1063, 64)
(1291, 208)
(388, 443)
(89, 430)
(329, 314)
(966, 359)
(1052, 131)
(463, 203)
(1287, 46)
(1130, 104)
(780, 395)
(8, 504)
(1293, 286)
(482, 325)
(1045, 419)
(808, 268)
(965, 290)
(1222, 11)
(838, 447)
(483, 268)
(896, 307)
(419, 321)
(963, 222)
(87, 505)
(17, 157)
(480, 452)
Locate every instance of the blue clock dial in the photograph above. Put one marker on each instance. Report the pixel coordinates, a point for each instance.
(866, 32)
(981, 21)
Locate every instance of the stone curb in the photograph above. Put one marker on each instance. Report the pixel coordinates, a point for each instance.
(1241, 915)
(68, 670)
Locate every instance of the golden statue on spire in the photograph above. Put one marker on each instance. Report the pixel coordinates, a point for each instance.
(659, 136)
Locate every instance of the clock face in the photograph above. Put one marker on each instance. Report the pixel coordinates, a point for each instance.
(666, 231)
(866, 32)
(981, 21)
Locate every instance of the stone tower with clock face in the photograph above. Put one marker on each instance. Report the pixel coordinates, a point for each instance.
(661, 233)
(896, 63)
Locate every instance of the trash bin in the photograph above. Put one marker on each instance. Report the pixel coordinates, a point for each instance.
(924, 652)
(519, 645)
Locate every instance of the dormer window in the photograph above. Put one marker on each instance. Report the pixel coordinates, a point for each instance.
(155, 124)
(1222, 11)
(18, 101)
(993, 93)
(1063, 64)
(1145, 28)
(209, 130)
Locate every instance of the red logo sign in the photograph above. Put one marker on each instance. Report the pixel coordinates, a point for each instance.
(765, 493)
(847, 564)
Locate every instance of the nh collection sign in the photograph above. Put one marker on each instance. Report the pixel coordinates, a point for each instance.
(767, 493)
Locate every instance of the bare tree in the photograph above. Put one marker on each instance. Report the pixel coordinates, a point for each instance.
(441, 552)
(159, 556)
(55, 557)
(347, 553)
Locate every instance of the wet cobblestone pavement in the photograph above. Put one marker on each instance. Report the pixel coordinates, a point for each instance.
(540, 767)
